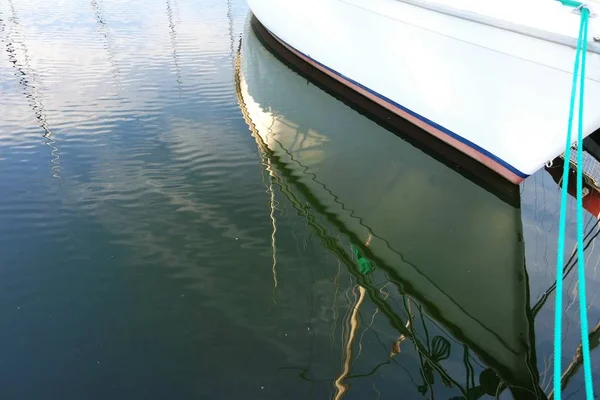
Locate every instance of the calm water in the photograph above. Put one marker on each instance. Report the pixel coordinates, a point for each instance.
(181, 216)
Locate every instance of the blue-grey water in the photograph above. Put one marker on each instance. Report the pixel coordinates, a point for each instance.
(181, 217)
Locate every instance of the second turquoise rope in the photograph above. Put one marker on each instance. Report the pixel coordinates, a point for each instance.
(585, 343)
(580, 60)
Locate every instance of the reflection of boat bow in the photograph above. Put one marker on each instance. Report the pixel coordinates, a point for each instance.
(454, 246)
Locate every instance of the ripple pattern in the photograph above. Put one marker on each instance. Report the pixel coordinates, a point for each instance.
(149, 249)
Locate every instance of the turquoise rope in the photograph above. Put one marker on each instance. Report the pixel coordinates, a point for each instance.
(585, 343)
(570, 3)
(579, 55)
(561, 236)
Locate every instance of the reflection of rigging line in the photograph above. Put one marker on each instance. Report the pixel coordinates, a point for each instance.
(303, 371)
(591, 252)
(266, 162)
(376, 391)
(333, 306)
(272, 206)
(551, 228)
(411, 324)
(173, 35)
(471, 371)
(273, 246)
(310, 327)
(531, 359)
(367, 327)
(575, 288)
(23, 72)
(535, 211)
(108, 42)
(571, 263)
(422, 317)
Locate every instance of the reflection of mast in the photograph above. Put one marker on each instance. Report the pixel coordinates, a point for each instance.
(230, 20)
(266, 162)
(340, 386)
(272, 207)
(173, 35)
(27, 78)
(108, 42)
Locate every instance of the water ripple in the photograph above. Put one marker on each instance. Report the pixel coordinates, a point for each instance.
(147, 247)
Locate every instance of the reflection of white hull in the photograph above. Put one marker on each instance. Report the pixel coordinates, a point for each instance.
(452, 243)
(496, 90)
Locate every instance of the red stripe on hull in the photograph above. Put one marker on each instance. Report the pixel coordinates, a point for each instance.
(482, 158)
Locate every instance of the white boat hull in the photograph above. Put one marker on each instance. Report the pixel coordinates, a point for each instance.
(501, 97)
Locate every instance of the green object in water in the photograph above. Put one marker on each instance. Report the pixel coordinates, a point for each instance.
(364, 264)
